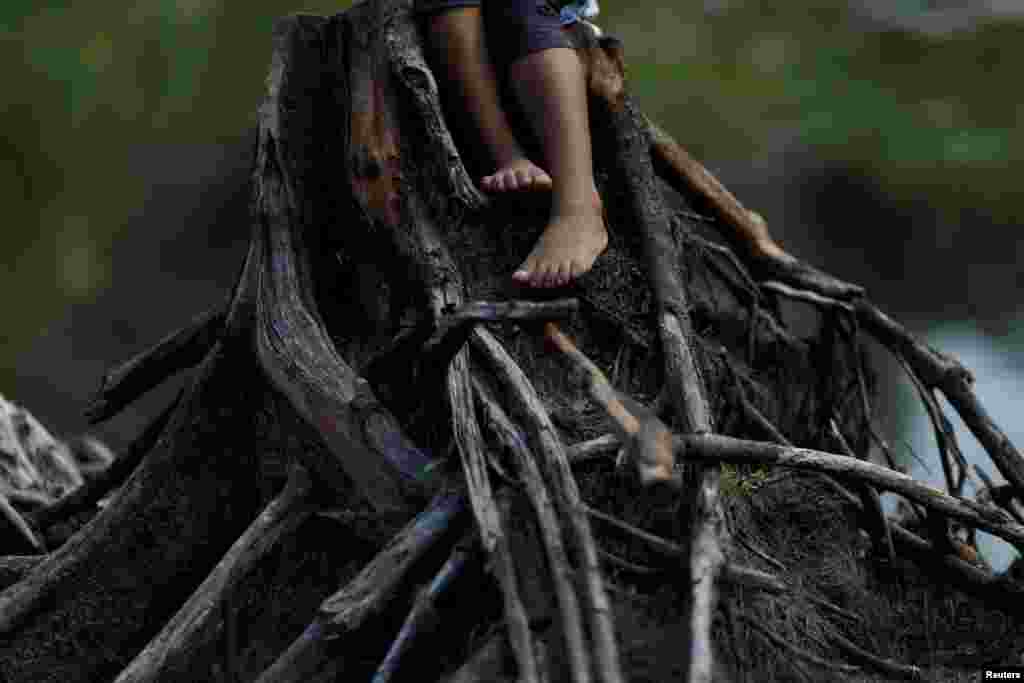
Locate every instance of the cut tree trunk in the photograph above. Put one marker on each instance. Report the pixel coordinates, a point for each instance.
(351, 361)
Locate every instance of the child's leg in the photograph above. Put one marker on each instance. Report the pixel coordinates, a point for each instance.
(550, 83)
(457, 37)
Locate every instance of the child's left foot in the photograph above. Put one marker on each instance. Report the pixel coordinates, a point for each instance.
(519, 174)
(567, 248)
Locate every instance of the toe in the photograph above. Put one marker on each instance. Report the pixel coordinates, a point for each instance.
(487, 182)
(562, 277)
(550, 276)
(511, 181)
(540, 277)
(526, 272)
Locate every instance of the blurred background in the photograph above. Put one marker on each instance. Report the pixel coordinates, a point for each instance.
(879, 138)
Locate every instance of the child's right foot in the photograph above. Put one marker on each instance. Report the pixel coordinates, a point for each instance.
(519, 174)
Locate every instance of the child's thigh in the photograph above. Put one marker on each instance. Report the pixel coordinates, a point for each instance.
(515, 28)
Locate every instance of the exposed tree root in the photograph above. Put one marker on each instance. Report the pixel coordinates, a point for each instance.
(548, 446)
(342, 364)
(87, 495)
(369, 592)
(423, 617)
(177, 351)
(15, 533)
(561, 571)
(196, 622)
(13, 568)
(488, 516)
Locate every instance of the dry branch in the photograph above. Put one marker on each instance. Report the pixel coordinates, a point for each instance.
(176, 352)
(718, 448)
(15, 532)
(648, 443)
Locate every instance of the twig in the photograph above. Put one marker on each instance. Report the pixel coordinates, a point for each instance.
(633, 567)
(749, 287)
(742, 540)
(176, 352)
(835, 609)
(751, 411)
(799, 652)
(1002, 496)
(540, 499)
(862, 390)
(752, 578)
(14, 527)
(196, 621)
(885, 666)
(870, 498)
(664, 548)
(807, 296)
(675, 553)
(945, 440)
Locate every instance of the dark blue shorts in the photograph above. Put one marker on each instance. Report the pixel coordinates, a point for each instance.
(514, 28)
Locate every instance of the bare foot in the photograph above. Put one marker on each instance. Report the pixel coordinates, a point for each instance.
(518, 174)
(566, 249)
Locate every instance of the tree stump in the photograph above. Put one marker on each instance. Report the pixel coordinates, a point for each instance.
(300, 513)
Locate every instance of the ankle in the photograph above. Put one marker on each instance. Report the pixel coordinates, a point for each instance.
(584, 202)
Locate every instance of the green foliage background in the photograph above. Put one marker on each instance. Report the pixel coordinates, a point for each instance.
(929, 118)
